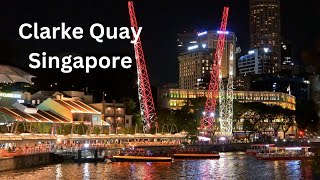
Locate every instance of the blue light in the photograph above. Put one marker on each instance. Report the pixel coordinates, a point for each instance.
(202, 33)
(223, 32)
(193, 47)
(251, 52)
(204, 45)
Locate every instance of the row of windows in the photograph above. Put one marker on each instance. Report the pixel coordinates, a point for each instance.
(240, 96)
(111, 111)
(193, 62)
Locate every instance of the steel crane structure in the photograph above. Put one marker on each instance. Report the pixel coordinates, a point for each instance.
(213, 92)
(147, 108)
(226, 99)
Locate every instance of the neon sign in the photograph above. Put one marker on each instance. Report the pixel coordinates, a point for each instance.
(223, 32)
(193, 47)
(202, 33)
(10, 95)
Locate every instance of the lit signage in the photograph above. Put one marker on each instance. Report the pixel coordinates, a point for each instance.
(202, 33)
(251, 52)
(10, 95)
(204, 45)
(193, 47)
(223, 32)
(20, 101)
(293, 148)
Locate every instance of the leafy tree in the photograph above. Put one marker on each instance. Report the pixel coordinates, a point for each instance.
(257, 117)
(276, 126)
(247, 126)
(136, 119)
(130, 106)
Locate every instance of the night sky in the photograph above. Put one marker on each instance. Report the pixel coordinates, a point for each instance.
(161, 21)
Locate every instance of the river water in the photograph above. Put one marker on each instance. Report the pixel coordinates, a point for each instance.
(229, 166)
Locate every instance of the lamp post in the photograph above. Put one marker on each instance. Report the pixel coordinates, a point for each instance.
(103, 107)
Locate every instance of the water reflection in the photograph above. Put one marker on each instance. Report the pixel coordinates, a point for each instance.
(86, 171)
(229, 166)
(58, 172)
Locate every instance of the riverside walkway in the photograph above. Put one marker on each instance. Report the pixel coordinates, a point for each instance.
(28, 143)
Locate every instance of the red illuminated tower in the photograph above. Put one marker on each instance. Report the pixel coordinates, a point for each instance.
(145, 95)
(213, 92)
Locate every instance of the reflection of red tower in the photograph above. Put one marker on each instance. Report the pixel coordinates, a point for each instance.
(145, 95)
(213, 92)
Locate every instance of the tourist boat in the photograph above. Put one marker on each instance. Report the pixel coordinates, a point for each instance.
(188, 153)
(258, 148)
(286, 153)
(139, 155)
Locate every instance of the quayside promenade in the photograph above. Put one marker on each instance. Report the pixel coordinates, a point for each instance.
(28, 143)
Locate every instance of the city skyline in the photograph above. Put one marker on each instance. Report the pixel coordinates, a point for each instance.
(158, 33)
(89, 88)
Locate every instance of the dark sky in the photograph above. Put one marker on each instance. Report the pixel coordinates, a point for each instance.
(161, 21)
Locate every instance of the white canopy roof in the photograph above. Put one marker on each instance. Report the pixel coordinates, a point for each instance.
(9, 74)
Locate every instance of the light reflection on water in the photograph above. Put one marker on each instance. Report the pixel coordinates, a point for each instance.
(229, 166)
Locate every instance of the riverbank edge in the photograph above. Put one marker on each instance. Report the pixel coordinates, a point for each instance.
(42, 159)
(28, 161)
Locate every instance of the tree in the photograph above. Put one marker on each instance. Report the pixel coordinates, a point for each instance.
(258, 116)
(276, 126)
(130, 106)
(247, 126)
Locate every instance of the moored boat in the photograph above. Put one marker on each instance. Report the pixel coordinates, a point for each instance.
(191, 153)
(286, 153)
(141, 159)
(258, 148)
(139, 155)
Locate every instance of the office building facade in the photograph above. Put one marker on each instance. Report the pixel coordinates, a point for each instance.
(195, 64)
(257, 61)
(265, 30)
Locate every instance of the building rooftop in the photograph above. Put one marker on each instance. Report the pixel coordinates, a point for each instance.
(40, 116)
(77, 106)
(9, 74)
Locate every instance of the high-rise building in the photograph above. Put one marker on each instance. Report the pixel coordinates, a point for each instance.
(265, 30)
(194, 66)
(257, 61)
(195, 63)
(287, 61)
(185, 40)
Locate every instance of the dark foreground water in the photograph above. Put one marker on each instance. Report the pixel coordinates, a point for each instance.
(229, 166)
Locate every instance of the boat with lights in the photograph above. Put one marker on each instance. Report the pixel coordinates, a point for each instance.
(193, 153)
(139, 155)
(286, 153)
(258, 148)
